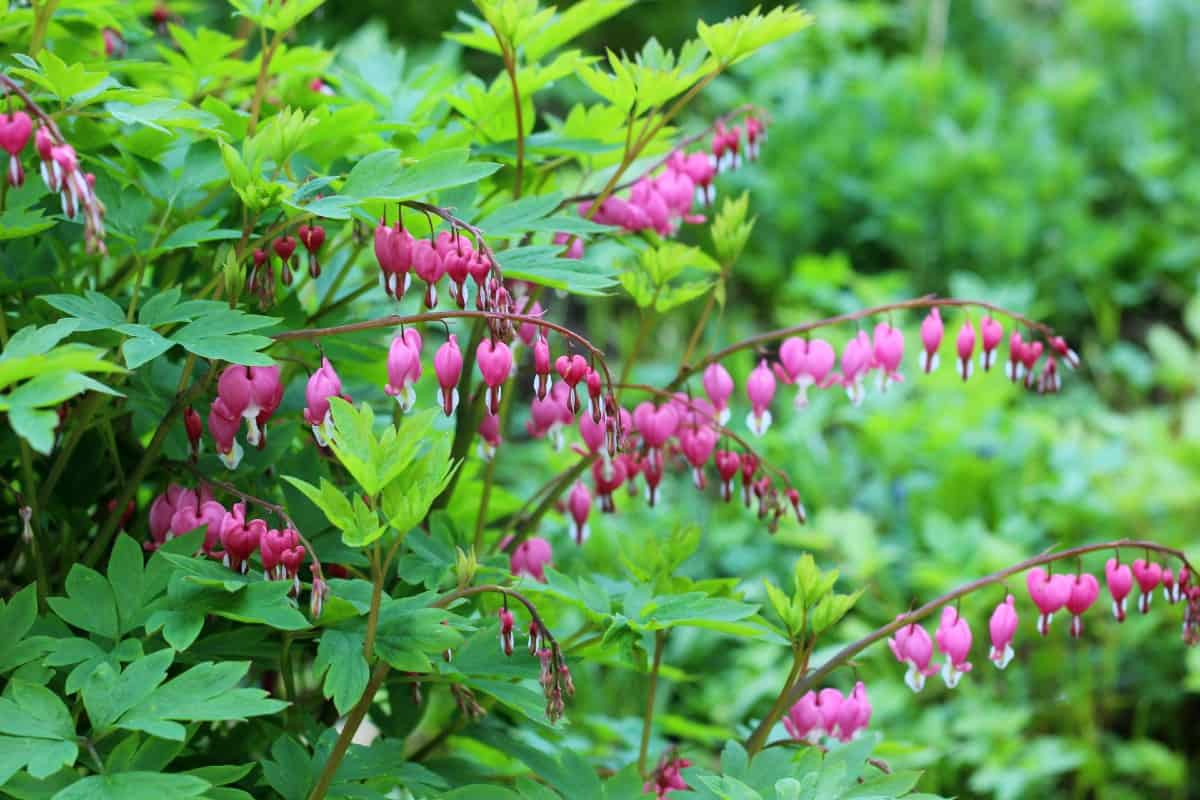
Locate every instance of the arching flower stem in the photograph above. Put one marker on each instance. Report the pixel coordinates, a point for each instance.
(791, 694)
(926, 301)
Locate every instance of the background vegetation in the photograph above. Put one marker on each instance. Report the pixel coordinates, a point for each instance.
(1042, 155)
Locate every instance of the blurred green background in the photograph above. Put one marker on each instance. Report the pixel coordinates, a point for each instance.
(1038, 153)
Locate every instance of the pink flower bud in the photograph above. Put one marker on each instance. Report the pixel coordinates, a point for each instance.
(1069, 356)
(404, 368)
(224, 426)
(506, 631)
(911, 645)
(429, 266)
(954, 641)
(448, 365)
(579, 503)
(1120, 583)
(829, 703)
(240, 537)
(15, 130)
(1049, 593)
(697, 443)
(856, 360)
(1084, 591)
(932, 331)
(965, 345)
(760, 389)
(316, 600)
(489, 435)
(803, 721)
(718, 385)
(207, 514)
(888, 352)
(1002, 626)
(593, 433)
(322, 385)
(494, 360)
(1014, 370)
(992, 332)
(530, 558)
(728, 463)
(1149, 576)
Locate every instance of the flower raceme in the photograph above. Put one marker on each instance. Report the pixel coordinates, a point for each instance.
(59, 167)
(829, 713)
(1050, 593)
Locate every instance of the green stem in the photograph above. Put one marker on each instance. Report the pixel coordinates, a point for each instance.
(510, 66)
(799, 665)
(376, 600)
(41, 22)
(260, 84)
(353, 721)
(83, 417)
(660, 642)
(29, 493)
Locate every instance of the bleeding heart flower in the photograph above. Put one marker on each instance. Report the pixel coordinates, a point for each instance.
(954, 641)
(932, 331)
(911, 645)
(1149, 576)
(1002, 626)
(530, 558)
(404, 368)
(448, 366)
(992, 332)
(1120, 583)
(494, 360)
(1084, 591)
(965, 345)
(760, 389)
(579, 504)
(1049, 594)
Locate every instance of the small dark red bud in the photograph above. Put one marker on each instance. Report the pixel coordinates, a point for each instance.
(312, 237)
(194, 427)
(260, 257)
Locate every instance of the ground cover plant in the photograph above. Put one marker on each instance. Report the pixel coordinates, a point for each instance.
(375, 427)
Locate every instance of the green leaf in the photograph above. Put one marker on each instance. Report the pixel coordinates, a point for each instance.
(543, 264)
(94, 311)
(90, 603)
(134, 786)
(831, 609)
(737, 38)
(383, 175)
(107, 695)
(16, 620)
(340, 658)
(204, 693)
(125, 568)
(407, 637)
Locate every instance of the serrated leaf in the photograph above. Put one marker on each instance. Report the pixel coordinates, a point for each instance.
(204, 693)
(90, 603)
(340, 658)
(134, 786)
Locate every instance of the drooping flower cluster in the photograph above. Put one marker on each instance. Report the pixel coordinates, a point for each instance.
(60, 170)
(667, 777)
(450, 254)
(260, 279)
(178, 511)
(243, 393)
(1050, 593)
(806, 363)
(662, 202)
(829, 713)
(229, 536)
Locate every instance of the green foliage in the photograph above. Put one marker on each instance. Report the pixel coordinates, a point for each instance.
(1037, 157)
